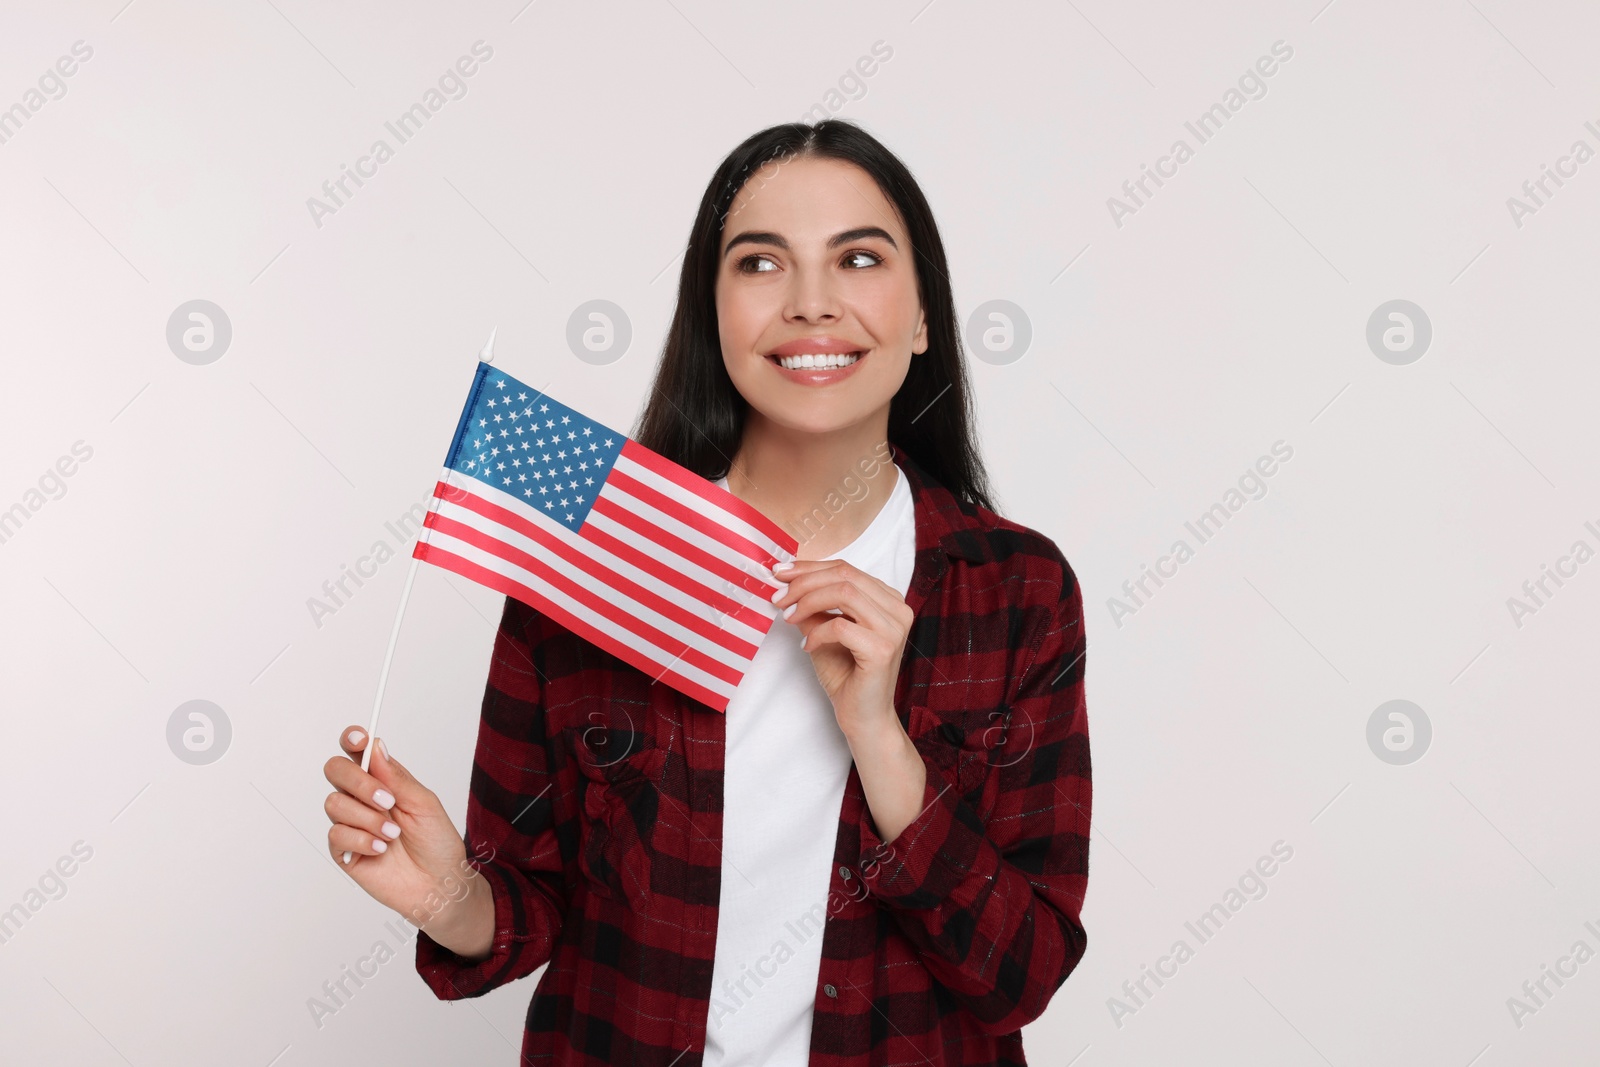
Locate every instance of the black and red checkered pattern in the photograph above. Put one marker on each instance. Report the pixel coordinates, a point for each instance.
(598, 797)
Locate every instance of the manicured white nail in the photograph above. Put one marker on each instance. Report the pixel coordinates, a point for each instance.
(391, 830)
(782, 589)
(355, 737)
(780, 567)
(383, 799)
(383, 748)
(379, 844)
(788, 611)
(347, 858)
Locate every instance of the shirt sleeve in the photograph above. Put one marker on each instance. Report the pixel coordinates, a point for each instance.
(518, 810)
(992, 903)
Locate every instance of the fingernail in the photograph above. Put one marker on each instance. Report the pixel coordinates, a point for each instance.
(782, 589)
(383, 748)
(391, 830)
(803, 641)
(383, 799)
(788, 611)
(379, 845)
(355, 737)
(348, 856)
(780, 567)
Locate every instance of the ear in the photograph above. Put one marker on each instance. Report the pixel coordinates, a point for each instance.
(919, 340)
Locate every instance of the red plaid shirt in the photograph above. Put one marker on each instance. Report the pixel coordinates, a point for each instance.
(597, 798)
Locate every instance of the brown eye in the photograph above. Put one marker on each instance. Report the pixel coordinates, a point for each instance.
(871, 256)
(746, 264)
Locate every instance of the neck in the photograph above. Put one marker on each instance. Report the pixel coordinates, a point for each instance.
(825, 489)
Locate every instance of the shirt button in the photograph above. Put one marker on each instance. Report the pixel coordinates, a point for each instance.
(844, 872)
(830, 991)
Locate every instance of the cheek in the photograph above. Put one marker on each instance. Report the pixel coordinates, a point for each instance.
(739, 320)
(889, 307)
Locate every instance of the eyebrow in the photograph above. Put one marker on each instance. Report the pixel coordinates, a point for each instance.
(766, 237)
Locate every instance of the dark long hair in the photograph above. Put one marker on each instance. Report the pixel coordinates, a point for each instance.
(696, 417)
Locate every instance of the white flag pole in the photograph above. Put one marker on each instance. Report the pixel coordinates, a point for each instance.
(486, 356)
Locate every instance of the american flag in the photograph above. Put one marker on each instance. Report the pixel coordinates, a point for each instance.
(638, 555)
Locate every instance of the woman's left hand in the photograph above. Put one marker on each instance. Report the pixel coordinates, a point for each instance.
(856, 653)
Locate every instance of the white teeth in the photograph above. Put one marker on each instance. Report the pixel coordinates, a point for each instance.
(817, 362)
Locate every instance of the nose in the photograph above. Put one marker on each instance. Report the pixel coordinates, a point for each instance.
(811, 296)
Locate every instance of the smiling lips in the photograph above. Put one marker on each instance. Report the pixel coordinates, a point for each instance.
(816, 360)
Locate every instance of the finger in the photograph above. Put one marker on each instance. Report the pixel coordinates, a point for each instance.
(410, 795)
(348, 777)
(888, 599)
(349, 839)
(354, 742)
(838, 630)
(796, 583)
(870, 650)
(347, 810)
(797, 567)
(759, 584)
(897, 614)
(849, 598)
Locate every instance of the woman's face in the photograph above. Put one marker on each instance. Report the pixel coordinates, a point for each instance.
(815, 261)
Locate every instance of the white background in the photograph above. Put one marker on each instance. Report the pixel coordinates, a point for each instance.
(1168, 353)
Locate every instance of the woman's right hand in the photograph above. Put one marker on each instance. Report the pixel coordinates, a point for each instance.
(404, 850)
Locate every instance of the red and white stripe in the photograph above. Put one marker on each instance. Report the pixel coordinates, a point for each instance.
(669, 572)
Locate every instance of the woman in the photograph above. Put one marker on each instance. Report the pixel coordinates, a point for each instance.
(879, 853)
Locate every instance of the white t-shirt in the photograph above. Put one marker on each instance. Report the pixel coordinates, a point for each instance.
(786, 765)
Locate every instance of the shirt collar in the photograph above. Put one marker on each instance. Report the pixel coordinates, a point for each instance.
(943, 521)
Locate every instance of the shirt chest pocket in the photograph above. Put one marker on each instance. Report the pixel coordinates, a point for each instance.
(620, 767)
(966, 745)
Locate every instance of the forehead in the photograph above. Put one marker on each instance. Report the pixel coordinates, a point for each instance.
(810, 199)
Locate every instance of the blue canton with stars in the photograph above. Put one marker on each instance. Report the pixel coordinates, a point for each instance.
(523, 443)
